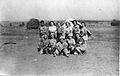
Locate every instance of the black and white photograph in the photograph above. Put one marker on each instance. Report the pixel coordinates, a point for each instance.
(59, 37)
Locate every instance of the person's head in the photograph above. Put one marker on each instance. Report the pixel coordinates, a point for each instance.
(70, 36)
(45, 36)
(77, 35)
(83, 24)
(62, 39)
(42, 22)
(52, 35)
(67, 24)
(74, 22)
(58, 24)
(81, 33)
(51, 23)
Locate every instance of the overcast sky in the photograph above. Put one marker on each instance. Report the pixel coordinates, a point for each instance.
(59, 9)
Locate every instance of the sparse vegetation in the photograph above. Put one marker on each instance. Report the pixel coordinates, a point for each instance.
(33, 24)
(114, 22)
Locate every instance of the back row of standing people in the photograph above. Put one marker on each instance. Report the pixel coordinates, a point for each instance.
(68, 28)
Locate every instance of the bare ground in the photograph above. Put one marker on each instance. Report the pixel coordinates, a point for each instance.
(22, 58)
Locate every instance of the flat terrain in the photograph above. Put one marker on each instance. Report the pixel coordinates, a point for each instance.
(22, 58)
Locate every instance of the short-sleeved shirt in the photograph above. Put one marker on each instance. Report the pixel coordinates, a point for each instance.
(85, 33)
(80, 41)
(60, 46)
(52, 29)
(68, 30)
(76, 29)
(52, 42)
(43, 29)
(71, 41)
(60, 29)
(46, 43)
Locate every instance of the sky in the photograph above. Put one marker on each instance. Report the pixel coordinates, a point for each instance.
(19, 10)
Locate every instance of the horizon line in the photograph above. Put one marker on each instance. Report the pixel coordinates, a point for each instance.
(52, 20)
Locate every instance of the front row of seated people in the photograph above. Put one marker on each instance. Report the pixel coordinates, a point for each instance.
(65, 39)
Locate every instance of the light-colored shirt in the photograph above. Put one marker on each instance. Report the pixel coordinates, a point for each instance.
(68, 30)
(52, 42)
(52, 28)
(71, 41)
(85, 33)
(43, 29)
(76, 29)
(60, 46)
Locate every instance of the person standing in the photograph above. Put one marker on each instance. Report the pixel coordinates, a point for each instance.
(52, 29)
(68, 30)
(42, 29)
(76, 29)
(84, 32)
(60, 31)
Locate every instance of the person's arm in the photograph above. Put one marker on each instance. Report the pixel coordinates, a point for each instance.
(88, 32)
(73, 42)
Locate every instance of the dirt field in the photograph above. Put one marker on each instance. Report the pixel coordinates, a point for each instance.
(22, 58)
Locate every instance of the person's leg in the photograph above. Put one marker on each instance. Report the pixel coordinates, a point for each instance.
(56, 52)
(65, 51)
(46, 51)
(39, 48)
(50, 50)
(78, 50)
(72, 49)
(41, 51)
(83, 49)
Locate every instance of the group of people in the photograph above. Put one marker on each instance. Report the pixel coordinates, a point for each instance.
(63, 39)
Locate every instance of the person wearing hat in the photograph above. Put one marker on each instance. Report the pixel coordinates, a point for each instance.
(80, 47)
(71, 43)
(61, 46)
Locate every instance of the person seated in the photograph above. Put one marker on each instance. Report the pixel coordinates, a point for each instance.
(71, 44)
(40, 43)
(61, 47)
(44, 45)
(80, 45)
(52, 44)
